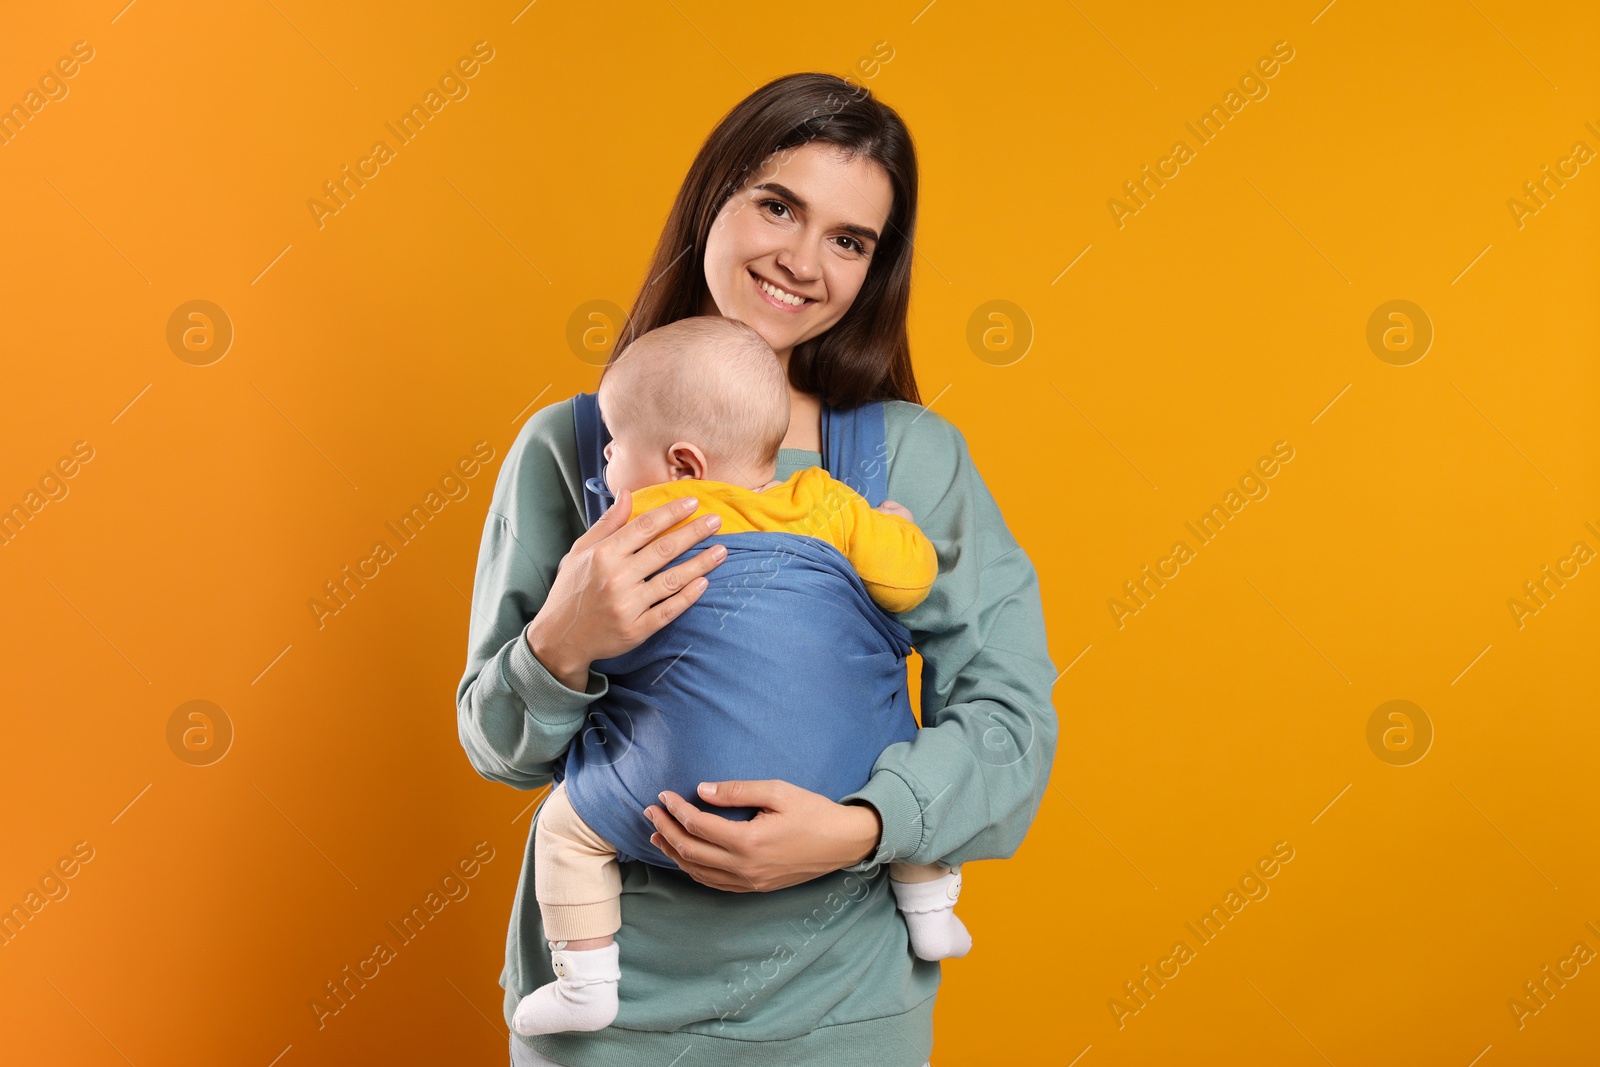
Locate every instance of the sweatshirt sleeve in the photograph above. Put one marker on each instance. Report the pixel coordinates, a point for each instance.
(514, 718)
(968, 785)
(896, 561)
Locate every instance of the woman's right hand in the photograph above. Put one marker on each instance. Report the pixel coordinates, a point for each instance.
(601, 604)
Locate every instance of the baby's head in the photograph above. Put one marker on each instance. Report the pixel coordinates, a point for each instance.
(703, 397)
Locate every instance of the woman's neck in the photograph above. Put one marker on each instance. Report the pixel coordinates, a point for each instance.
(805, 415)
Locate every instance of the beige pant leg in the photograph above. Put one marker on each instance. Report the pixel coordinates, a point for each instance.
(912, 872)
(575, 876)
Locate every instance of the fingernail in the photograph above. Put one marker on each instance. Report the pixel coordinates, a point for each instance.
(718, 551)
(708, 788)
(714, 521)
(662, 797)
(693, 502)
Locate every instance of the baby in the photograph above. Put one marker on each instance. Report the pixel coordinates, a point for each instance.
(699, 408)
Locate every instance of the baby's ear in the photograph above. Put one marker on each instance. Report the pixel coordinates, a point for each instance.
(685, 460)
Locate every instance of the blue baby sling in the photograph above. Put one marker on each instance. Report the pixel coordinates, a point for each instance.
(784, 668)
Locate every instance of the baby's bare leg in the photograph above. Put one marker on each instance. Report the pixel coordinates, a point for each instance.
(917, 872)
(591, 942)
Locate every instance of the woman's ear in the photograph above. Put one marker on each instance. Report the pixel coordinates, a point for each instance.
(685, 460)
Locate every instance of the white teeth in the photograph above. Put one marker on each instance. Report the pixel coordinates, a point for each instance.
(779, 294)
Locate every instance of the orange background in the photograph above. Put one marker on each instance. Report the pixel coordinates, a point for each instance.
(431, 313)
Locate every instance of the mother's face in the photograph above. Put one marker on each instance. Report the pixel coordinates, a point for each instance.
(807, 224)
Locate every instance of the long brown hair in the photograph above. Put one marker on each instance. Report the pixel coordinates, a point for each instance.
(866, 355)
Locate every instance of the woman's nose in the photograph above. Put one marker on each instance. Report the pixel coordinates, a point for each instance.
(798, 264)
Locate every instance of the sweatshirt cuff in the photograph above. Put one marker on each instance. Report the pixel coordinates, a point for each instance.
(546, 698)
(901, 815)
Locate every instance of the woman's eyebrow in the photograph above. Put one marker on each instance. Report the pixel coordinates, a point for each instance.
(789, 194)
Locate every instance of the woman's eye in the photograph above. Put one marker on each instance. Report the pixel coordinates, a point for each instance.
(775, 203)
(853, 244)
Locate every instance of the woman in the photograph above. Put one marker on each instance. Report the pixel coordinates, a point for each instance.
(778, 941)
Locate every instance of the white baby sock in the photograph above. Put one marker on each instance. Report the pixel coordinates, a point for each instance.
(583, 996)
(929, 908)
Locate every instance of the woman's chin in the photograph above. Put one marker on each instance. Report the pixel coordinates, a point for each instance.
(777, 333)
(781, 331)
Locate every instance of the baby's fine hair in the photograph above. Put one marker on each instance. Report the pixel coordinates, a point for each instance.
(707, 379)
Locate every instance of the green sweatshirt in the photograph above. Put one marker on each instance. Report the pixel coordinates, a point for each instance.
(822, 972)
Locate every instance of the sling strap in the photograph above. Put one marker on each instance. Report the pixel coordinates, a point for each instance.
(592, 440)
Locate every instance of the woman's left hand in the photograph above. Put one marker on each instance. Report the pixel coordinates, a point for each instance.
(796, 835)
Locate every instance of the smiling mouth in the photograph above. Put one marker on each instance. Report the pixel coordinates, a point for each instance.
(779, 297)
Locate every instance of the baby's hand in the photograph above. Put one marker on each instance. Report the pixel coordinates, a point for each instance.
(889, 507)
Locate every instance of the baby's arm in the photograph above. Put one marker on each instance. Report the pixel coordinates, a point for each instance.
(889, 507)
(895, 559)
